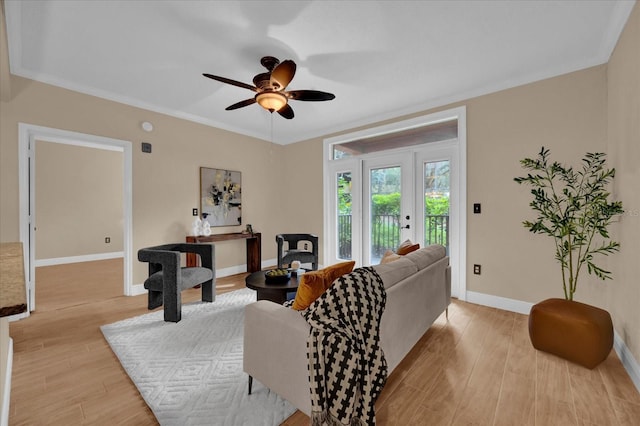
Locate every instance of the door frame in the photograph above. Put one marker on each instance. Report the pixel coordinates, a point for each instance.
(459, 149)
(27, 135)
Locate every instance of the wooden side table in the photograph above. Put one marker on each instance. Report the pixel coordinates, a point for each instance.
(254, 247)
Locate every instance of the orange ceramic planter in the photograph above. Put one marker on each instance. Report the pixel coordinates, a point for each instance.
(579, 333)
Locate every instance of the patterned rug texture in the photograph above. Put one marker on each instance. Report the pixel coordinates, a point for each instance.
(190, 372)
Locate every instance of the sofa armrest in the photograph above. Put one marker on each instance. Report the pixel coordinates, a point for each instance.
(275, 351)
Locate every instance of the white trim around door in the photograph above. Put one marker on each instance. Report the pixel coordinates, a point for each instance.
(27, 135)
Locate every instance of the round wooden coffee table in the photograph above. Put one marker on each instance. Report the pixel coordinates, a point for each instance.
(274, 292)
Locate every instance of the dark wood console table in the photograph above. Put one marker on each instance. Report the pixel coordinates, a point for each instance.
(254, 247)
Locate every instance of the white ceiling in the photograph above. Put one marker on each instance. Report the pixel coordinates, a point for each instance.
(382, 59)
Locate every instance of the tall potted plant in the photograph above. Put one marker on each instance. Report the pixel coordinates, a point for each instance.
(572, 207)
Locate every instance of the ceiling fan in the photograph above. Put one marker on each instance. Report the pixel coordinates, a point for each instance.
(270, 88)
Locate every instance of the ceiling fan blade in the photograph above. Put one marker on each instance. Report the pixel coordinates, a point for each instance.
(286, 111)
(309, 95)
(232, 82)
(241, 104)
(282, 74)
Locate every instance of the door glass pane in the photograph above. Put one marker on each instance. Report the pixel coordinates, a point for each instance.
(436, 203)
(385, 193)
(344, 216)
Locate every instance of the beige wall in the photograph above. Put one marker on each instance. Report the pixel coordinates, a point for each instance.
(622, 296)
(78, 200)
(165, 182)
(302, 183)
(566, 114)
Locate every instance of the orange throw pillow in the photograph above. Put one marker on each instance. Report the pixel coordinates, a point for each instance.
(310, 287)
(407, 247)
(333, 272)
(314, 283)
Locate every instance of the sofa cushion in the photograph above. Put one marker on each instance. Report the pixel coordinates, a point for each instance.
(395, 271)
(407, 247)
(389, 257)
(427, 255)
(314, 283)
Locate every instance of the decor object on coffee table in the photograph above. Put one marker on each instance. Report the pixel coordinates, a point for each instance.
(294, 252)
(167, 278)
(572, 207)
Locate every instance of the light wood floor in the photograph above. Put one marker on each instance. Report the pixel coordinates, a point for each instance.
(477, 368)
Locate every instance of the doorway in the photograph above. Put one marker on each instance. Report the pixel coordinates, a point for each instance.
(398, 182)
(28, 134)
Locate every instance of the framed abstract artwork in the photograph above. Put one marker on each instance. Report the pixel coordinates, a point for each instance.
(221, 196)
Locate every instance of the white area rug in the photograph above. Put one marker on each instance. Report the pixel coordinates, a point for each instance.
(190, 372)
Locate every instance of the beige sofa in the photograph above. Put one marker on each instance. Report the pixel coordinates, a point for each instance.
(275, 337)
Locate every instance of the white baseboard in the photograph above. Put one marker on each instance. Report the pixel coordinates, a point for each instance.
(77, 259)
(137, 289)
(499, 302)
(626, 357)
(628, 361)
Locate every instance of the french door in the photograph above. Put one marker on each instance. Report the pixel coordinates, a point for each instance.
(404, 180)
(380, 201)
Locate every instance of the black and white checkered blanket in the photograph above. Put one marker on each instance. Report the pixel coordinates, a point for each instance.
(347, 368)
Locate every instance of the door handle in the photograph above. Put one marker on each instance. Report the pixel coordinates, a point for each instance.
(407, 227)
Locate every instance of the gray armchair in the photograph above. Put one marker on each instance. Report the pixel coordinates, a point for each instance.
(167, 278)
(293, 252)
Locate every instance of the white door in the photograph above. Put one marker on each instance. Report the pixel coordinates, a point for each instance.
(433, 197)
(388, 208)
(372, 206)
(344, 201)
(377, 202)
(440, 200)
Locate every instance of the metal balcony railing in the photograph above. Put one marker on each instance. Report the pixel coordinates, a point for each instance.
(385, 233)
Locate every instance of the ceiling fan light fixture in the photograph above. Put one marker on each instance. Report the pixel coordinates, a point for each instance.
(271, 101)
(270, 88)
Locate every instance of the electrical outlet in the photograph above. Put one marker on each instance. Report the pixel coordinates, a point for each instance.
(195, 212)
(477, 208)
(107, 240)
(477, 269)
